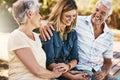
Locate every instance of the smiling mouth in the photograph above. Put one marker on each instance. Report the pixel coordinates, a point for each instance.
(97, 18)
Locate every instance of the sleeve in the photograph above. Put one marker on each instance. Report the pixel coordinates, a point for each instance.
(16, 41)
(49, 50)
(109, 52)
(74, 50)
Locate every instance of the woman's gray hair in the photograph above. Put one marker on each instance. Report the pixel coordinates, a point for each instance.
(20, 7)
(106, 3)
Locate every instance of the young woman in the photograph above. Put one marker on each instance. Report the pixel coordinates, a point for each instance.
(61, 49)
(27, 58)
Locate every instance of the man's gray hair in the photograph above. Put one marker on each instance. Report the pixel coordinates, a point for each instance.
(20, 8)
(106, 3)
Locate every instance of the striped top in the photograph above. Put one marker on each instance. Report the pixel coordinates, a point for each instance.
(92, 50)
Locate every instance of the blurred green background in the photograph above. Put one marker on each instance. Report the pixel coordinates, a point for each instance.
(85, 7)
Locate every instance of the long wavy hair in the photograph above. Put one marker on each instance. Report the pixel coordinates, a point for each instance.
(57, 11)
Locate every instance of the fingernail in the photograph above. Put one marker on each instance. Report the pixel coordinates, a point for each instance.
(45, 40)
(49, 38)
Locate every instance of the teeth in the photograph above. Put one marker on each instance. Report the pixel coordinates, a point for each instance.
(97, 18)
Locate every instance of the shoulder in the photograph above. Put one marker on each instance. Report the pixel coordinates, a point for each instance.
(15, 34)
(81, 21)
(73, 34)
(108, 30)
(81, 18)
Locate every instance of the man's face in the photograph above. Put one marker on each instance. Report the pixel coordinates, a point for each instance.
(100, 14)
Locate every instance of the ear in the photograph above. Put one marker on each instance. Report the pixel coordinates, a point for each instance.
(29, 13)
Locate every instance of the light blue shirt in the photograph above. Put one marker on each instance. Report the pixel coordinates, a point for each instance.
(91, 51)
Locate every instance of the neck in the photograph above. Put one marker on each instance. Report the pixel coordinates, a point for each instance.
(63, 28)
(98, 29)
(27, 29)
(98, 26)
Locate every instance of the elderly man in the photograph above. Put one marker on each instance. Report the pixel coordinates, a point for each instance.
(95, 42)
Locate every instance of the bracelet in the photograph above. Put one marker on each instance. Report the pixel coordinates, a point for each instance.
(69, 66)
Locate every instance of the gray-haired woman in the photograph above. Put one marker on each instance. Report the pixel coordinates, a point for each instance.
(27, 58)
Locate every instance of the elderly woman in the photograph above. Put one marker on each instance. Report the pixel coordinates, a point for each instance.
(27, 58)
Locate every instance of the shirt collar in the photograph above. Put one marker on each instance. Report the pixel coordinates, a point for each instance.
(88, 20)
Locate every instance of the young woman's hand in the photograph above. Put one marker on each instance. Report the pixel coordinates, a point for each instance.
(62, 67)
(78, 75)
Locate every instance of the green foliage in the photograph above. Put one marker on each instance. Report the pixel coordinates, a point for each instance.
(84, 8)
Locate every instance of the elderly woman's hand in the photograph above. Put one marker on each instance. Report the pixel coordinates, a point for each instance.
(62, 67)
(57, 73)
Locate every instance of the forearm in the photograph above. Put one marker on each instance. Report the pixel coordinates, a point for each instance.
(68, 75)
(32, 65)
(72, 63)
(107, 65)
(44, 73)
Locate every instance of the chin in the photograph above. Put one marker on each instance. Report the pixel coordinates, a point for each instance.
(68, 24)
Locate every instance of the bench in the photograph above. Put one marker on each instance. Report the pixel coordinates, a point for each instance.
(116, 63)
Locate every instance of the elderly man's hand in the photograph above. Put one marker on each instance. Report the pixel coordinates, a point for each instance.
(100, 75)
(45, 30)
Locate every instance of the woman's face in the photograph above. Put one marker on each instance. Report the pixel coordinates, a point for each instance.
(68, 17)
(36, 18)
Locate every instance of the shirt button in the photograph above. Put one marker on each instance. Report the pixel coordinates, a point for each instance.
(92, 64)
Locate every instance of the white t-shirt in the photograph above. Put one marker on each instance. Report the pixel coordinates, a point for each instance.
(17, 70)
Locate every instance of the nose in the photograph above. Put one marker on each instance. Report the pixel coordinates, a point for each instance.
(98, 13)
(71, 18)
(40, 16)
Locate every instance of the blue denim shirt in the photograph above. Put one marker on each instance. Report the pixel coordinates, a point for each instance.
(59, 51)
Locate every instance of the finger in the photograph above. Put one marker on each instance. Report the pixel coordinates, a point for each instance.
(42, 35)
(50, 31)
(46, 34)
(52, 25)
(48, 28)
(59, 65)
(98, 77)
(97, 73)
(83, 77)
(73, 72)
(62, 69)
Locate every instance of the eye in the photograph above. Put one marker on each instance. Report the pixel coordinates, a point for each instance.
(96, 10)
(103, 13)
(67, 16)
(74, 16)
